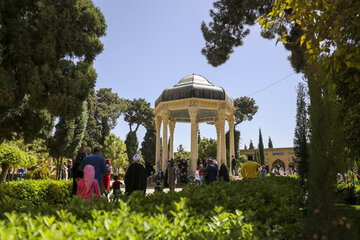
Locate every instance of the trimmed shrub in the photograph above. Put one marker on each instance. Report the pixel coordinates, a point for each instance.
(36, 192)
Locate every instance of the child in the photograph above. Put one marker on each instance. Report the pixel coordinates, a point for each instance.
(88, 185)
(116, 187)
(197, 178)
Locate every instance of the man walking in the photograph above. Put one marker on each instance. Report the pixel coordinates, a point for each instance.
(98, 162)
(250, 169)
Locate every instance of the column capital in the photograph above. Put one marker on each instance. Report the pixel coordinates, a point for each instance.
(231, 120)
(165, 114)
(193, 110)
(221, 114)
(158, 120)
(172, 126)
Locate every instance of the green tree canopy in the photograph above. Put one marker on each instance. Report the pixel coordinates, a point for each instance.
(245, 109)
(47, 51)
(104, 109)
(115, 149)
(26, 122)
(12, 155)
(139, 113)
(207, 148)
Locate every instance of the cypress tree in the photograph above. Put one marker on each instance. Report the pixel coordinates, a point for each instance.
(251, 145)
(257, 156)
(131, 145)
(301, 133)
(236, 143)
(261, 149)
(270, 144)
(326, 156)
(148, 146)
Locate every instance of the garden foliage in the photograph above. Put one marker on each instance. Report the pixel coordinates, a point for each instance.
(266, 208)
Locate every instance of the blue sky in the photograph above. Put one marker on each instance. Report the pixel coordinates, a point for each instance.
(151, 44)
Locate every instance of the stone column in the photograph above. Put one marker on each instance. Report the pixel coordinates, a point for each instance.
(231, 137)
(157, 156)
(172, 128)
(197, 140)
(222, 116)
(165, 157)
(194, 145)
(218, 153)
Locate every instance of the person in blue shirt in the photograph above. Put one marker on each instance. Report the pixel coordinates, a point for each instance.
(98, 162)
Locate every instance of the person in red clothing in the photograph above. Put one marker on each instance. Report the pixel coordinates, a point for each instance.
(88, 185)
(107, 176)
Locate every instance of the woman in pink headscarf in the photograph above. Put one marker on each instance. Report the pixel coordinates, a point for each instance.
(88, 185)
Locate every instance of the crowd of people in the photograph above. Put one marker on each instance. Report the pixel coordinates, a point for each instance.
(91, 175)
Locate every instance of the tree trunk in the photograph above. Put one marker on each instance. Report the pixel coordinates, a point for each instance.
(13, 173)
(5, 168)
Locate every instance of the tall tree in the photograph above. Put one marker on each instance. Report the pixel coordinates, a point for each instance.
(148, 146)
(270, 144)
(47, 51)
(245, 147)
(245, 109)
(115, 149)
(261, 149)
(236, 143)
(132, 145)
(138, 113)
(108, 110)
(301, 134)
(67, 137)
(104, 109)
(251, 145)
(332, 71)
(257, 156)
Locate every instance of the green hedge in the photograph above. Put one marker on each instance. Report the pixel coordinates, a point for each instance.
(123, 223)
(348, 194)
(270, 205)
(36, 192)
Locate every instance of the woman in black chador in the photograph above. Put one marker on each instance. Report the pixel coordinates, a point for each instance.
(224, 173)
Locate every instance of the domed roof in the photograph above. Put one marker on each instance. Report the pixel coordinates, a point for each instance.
(194, 86)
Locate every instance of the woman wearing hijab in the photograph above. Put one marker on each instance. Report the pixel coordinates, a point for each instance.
(107, 176)
(224, 173)
(88, 185)
(77, 174)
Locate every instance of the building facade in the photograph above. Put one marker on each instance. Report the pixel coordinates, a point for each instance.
(275, 157)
